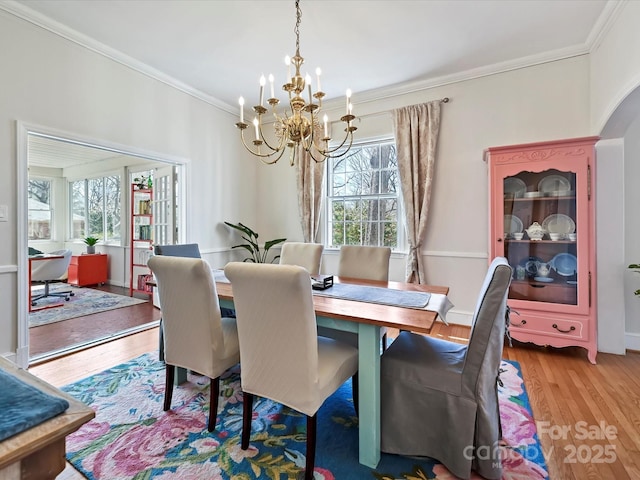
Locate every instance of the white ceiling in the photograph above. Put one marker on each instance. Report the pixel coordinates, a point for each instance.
(217, 49)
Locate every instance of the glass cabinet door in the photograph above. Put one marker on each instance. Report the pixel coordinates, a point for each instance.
(540, 235)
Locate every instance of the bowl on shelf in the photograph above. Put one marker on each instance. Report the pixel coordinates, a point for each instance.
(556, 236)
(518, 235)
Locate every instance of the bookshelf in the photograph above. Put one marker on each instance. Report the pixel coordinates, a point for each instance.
(141, 239)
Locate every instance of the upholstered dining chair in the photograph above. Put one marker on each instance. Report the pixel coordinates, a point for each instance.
(48, 271)
(440, 399)
(187, 250)
(307, 255)
(283, 358)
(196, 337)
(365, 263)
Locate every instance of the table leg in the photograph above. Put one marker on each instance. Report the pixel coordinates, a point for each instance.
(369, 390)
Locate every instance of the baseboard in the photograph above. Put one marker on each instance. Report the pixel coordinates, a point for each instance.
(632, 341)
(458, 317)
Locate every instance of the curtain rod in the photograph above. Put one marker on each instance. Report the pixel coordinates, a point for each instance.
(388, 112)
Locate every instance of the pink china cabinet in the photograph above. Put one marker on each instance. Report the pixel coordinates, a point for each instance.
(542, 207)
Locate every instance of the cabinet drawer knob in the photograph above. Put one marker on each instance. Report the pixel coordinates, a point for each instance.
(523, 322)
(571, 328)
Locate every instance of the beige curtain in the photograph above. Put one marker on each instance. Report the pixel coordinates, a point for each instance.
(416, 130)
(309, 175)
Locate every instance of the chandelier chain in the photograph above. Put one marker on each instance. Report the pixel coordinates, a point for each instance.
(296, 29)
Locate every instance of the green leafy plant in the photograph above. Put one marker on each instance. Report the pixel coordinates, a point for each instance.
(252, 246)
(636, 268)
(91, 241)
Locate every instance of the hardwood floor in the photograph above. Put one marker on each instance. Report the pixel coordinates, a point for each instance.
(588, 416)
(57, 338)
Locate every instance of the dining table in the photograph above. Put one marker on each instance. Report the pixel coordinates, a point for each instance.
(365, 318)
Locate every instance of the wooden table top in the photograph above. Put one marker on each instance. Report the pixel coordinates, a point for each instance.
(23, 444)
(415, 320)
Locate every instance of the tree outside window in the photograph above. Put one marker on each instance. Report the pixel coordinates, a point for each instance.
(40, 216)
(363, 190)
(96, 208)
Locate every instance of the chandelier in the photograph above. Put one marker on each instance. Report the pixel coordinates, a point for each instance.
(299, 124)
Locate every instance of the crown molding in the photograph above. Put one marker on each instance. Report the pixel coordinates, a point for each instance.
(605, 21)
(57, 28)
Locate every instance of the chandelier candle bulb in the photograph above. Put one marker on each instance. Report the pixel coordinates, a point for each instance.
(241, 102)
(318, 72)
(348, 99)
(308, 80)
(262, 82)
(255, 124)
(271, 82)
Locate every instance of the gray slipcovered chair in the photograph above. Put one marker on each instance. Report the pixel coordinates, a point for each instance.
(307, 255)
(283, 358)
(47, 271)
(365, 263)
(440, 399)
(196, 337)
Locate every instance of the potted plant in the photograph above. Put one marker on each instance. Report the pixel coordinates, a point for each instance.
(636, 268)
(252, 246)
(91, 244)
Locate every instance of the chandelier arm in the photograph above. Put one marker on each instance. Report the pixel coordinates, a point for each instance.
(329, 151)
(260, 155)
(275, 149)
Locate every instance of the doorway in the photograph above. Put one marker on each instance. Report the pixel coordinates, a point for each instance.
(64, 159)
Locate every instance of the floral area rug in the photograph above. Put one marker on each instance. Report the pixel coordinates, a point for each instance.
(85, 301)
(132, 438)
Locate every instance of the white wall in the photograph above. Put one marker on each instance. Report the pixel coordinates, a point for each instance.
(615, 66)
(632, 232)
(49, 81)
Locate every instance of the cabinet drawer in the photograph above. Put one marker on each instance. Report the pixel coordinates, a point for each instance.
(541, 292)
(525, 323)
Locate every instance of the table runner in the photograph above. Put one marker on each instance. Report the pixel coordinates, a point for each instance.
(434, 302)
(23, 406)
(368, 294)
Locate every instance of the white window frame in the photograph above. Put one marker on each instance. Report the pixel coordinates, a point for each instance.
(51, 210)
(123, 196)
(329, 197)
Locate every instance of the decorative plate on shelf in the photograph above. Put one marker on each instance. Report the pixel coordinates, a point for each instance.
(512, 224)
(515, 185)
(565, 264)
(559, 223)
(554, 183)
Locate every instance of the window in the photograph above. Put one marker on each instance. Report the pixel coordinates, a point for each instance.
(363, 196)
(40, 217)
(95, 208)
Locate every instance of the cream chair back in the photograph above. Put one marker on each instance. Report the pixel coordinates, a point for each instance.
(194, 335)
(277, 333)
(307, 255)
(368, 263)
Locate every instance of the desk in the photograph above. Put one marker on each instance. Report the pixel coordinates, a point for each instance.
(39, 452)
(365, 319)
(35, 258)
